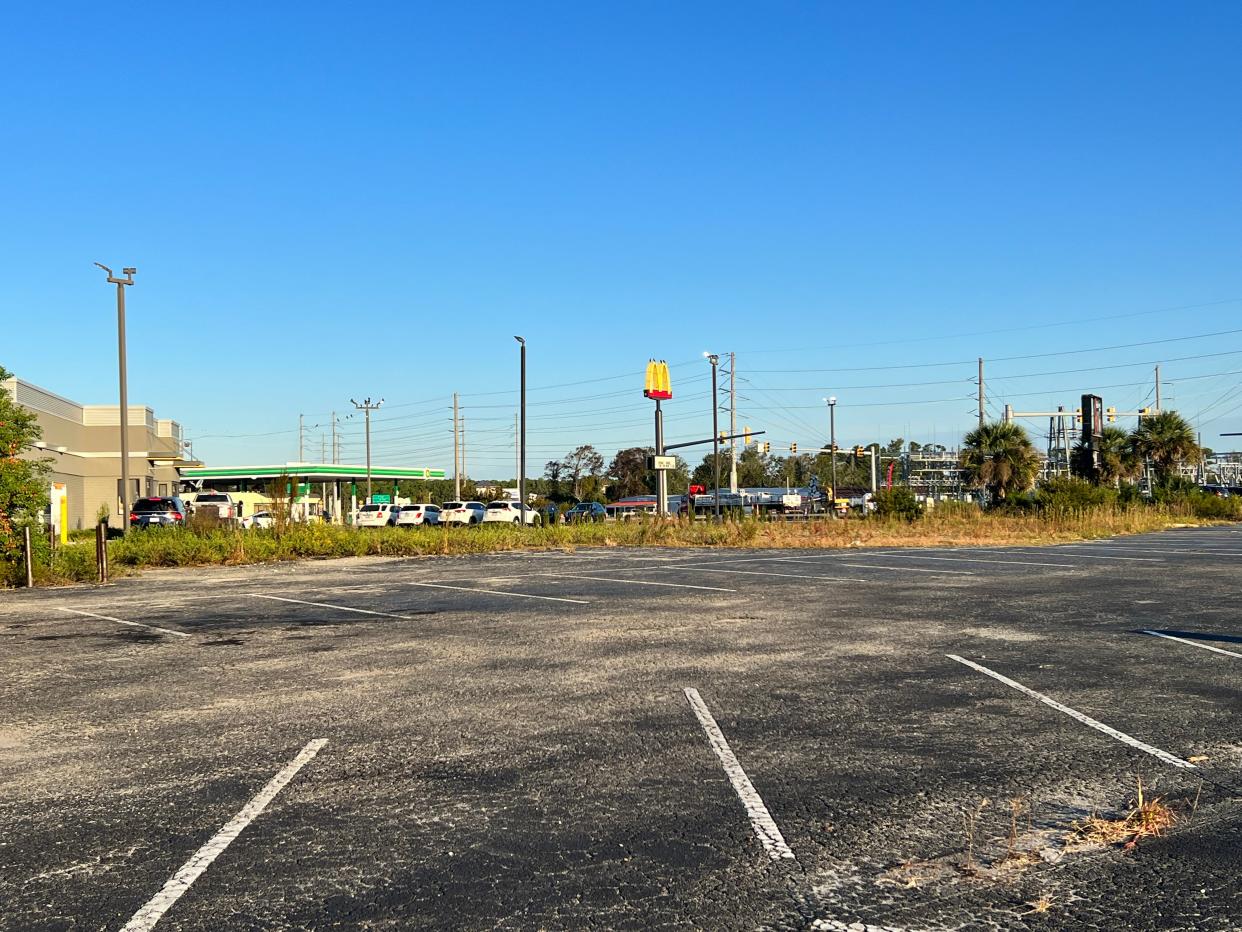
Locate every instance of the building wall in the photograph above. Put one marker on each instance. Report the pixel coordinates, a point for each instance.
(90, 467)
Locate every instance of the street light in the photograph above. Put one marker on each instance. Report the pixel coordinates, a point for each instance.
(522, 434)
(832, 449)
(714, 359)
(120, 342)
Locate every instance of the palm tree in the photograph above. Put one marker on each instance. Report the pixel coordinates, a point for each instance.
(999, 457)
(1117, 462)
(1168, 440)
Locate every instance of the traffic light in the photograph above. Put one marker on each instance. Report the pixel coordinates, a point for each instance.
(724, 435)
(860, 451)
(765, 447)
(745, 436)
(1143, 412)
(834, 448)
(1112, 415)
(1078, 415)
(793, 448)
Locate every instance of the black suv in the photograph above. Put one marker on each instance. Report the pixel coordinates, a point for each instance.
(159, 511)
(585, 511)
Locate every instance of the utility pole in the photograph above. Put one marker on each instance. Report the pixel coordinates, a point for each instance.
(1157, 389)
(714, 359)
(336, 449)
(456, 450)
(522, 437)
(301, 456)
(120, 353)
(368, 407)
(733, 423)
(981, 396)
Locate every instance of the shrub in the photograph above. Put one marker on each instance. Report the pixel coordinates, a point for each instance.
(1066, 494)
(898, 502)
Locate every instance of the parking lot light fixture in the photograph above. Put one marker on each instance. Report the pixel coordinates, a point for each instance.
(368, 406)
(120, 344)
(832, 449)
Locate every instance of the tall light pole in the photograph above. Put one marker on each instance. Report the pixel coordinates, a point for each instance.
(714, 359)
(832, 449)
(120, 353)
(368, 407)
(522, 432)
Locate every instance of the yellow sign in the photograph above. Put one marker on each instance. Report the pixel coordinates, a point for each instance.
(657, 384)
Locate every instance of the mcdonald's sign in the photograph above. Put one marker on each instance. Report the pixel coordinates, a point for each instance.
(657, 385)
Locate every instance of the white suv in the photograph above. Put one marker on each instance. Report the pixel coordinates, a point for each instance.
(462, 513)
(375, 515)
(418, 514)
(507, 512)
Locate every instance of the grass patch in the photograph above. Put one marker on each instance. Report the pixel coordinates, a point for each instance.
(1148, 817)
(951, 526)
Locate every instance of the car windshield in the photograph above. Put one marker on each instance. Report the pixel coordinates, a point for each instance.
(153, 504)
(497, 506)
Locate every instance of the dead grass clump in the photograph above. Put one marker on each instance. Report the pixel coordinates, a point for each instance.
(1148, 818)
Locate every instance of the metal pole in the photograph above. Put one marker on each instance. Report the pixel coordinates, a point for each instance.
(1157, 389)
(522, 440)
(732, 423)
(661, 475)
(875, 455)
(456, 450)
(301, 454)
(832, 445)
(715, 361)
(517, 448)
(981, 396)
(120, 352)
(336, 450)
(368, 454)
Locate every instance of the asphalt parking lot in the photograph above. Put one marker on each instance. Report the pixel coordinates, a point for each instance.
(629, 739)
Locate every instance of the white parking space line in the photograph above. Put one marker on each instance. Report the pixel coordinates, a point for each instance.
(923, 556)
(516, 595)
(760, 819)
(339, 608)
(1079, 716)
(1126, 548)
(1103, 556)
(879, 566)
(1172, 637)
(122, 621)
(150, 914)
(708, 569)
(636, 582)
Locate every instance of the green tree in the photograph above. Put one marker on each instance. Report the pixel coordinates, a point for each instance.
(999, 458)
(583, 467)
(1117, 461)
(23, 482)
(630, 475)
(1168, 441)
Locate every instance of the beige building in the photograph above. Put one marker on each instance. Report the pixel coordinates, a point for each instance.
(83, 443)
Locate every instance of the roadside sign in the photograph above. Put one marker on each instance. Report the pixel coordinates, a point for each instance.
(661, 462)
(381, 499)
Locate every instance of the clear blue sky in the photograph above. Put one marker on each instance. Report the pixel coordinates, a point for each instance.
(326, 201)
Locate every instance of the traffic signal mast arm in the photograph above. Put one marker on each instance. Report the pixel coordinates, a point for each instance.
(722, 438)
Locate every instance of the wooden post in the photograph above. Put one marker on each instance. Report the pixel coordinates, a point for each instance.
(29, 557)
(101, 552)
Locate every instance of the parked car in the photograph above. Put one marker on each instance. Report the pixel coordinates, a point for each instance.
(462, 513)
(377, 515)
(509, 512)
(159, 511)
(220, 504)
(586, 511)
(258, 519)
(418, 514)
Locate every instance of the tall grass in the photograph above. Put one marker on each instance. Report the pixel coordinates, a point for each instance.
(943, 527)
